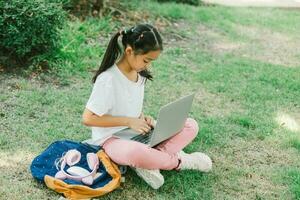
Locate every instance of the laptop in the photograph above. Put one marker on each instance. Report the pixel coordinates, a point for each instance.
(170, 121)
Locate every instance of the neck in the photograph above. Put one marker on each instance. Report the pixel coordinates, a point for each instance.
(124, 66)
(126, 69)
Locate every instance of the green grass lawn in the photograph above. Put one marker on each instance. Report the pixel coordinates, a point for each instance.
(243, 64)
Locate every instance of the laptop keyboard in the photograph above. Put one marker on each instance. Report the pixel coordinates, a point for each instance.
(143, 138)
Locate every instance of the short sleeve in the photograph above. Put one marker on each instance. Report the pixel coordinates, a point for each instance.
(101, 99)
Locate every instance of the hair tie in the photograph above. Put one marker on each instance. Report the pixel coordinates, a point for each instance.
(123, 32)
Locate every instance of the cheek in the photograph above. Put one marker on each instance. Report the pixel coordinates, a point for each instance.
(138, 63)
(132, 61)
(141, 64)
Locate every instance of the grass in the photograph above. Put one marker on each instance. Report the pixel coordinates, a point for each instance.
(294, 177)
(243, 65)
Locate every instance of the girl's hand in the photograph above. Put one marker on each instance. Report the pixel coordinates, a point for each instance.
(139, 125)
(150, 121)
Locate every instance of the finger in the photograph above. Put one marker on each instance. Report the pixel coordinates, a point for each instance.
(152, 122)
(145, 123)
(147, 127)
(148, 122)
(148, 118)
(141, 131)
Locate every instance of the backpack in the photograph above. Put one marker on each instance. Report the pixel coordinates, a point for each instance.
(62, 164)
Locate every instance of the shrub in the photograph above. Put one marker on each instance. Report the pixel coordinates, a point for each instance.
(191, 2)
(29, 28)
(94, 8)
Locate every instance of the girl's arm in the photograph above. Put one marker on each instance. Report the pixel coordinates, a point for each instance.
(91, 119)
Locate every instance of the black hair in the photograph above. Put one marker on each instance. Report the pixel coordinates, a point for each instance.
(142, 38)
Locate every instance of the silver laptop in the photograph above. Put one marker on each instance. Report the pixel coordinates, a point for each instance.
(170, 121)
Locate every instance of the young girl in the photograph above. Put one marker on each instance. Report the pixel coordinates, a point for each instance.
(116, 103)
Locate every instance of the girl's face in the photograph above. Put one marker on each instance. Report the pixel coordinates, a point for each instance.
(140, 62)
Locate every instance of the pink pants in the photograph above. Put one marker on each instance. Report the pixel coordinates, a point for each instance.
(163, 156)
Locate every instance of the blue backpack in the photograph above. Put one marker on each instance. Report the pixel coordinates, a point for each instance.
(45, 168)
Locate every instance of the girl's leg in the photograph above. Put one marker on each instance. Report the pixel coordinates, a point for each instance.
(197, 160)
(136, 154)
(176, 143)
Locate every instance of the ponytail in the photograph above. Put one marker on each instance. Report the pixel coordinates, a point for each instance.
(112, 53)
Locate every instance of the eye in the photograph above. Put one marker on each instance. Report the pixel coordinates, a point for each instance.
(145, 61)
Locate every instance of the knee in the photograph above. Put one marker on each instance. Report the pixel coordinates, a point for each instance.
(193, 125)
(136, 152)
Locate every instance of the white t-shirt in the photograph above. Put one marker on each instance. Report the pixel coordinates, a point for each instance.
(114, 94)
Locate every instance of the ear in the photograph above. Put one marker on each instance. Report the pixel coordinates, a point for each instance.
(128, 50)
